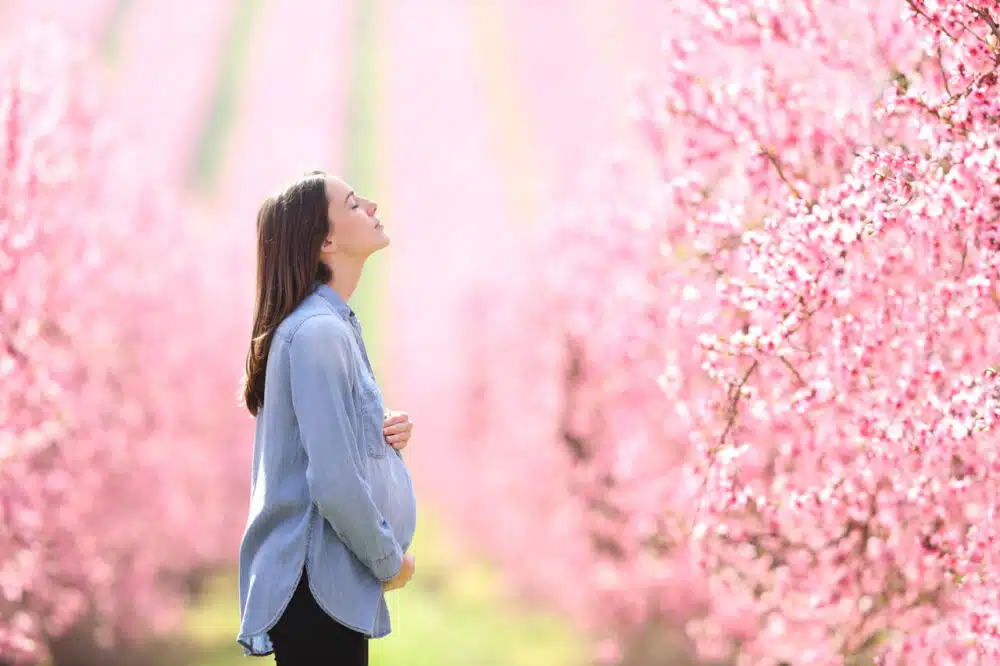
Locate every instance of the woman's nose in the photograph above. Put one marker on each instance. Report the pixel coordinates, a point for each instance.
(372, 207)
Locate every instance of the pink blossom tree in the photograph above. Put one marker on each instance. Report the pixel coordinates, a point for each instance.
(749, 385)
(122, 447)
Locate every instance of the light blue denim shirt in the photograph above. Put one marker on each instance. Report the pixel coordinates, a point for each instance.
(327, 492)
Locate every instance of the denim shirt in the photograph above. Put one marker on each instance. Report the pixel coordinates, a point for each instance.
(328, 495)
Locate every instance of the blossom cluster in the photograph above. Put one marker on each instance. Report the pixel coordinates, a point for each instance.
(750, 386)
(122, 445)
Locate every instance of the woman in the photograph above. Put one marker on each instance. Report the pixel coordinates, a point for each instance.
(332, 510)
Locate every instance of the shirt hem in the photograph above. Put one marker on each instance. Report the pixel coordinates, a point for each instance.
(258, 643)
(367, 633)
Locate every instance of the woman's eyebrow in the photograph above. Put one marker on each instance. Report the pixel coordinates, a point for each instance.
(349, 195)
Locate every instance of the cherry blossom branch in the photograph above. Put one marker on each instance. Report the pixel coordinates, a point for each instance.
(937, 24)
(732, 408)
(944, 74)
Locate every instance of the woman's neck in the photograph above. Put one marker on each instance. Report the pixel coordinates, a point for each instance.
(346, 275)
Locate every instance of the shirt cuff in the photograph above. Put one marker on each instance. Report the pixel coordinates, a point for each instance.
(386, 568)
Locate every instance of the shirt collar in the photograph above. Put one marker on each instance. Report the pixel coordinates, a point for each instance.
(334, 299)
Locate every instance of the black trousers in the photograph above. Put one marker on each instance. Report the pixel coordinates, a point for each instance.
(306, 636)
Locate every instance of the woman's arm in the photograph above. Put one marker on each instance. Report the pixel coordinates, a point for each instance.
(321, 377)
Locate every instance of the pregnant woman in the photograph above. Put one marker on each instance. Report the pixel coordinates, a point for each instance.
(332, 509)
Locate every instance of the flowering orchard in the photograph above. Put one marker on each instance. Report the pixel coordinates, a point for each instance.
(749, 387)
(121, 443)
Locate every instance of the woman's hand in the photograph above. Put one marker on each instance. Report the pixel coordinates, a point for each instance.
(404, 575)
(397, 429)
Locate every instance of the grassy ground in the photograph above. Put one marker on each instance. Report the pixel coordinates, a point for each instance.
(453, 613)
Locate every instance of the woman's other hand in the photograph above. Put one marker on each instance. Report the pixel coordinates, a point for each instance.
(404, 575)
(397, 429)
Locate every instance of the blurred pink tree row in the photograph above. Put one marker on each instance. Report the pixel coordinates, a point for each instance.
(749, 388)
(165, 112)
(121, 443)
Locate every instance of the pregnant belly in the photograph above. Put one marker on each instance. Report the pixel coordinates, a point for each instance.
(392, 490)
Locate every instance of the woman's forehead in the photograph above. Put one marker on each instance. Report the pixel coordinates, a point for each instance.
(336, 189)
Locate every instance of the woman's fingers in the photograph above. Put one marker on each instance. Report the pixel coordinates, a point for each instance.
(398, 441)
(397, 429)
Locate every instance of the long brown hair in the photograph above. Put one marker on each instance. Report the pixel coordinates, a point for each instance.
(291, 227)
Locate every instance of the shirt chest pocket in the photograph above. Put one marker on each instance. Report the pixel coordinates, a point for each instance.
(372, 418)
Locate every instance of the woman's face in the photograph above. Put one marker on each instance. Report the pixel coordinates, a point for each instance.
(355, 232)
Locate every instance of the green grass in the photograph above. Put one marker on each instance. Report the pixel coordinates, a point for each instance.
(453, 613)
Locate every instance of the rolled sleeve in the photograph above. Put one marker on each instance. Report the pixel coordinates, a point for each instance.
(322, 376)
